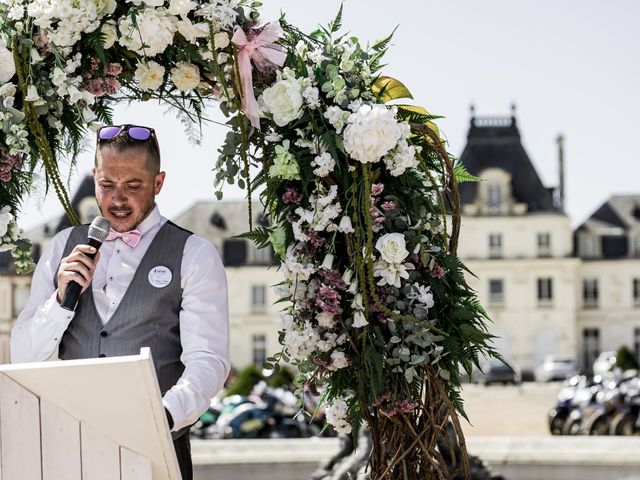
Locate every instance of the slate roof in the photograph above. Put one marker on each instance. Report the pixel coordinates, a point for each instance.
(619, 211)
(495, 142)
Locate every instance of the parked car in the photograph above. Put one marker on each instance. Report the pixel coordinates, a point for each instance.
(604, 363)
(495, 371)
(555, 367)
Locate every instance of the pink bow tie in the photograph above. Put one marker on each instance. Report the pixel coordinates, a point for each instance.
(131, 238)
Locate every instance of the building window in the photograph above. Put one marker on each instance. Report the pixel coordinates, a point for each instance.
(259, 349)
(636, 292)
(495, 196)
(590, 346)
(260, 256)
(587, 246)
(545, 290)
(590, 293)
(636, 343)
(496, 291)
(544, 244)
(258, 298)
(495, 245)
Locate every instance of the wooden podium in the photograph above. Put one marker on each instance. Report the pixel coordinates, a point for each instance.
(94, 419)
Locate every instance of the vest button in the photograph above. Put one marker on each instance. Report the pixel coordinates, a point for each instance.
(102, 355)
(104, 334)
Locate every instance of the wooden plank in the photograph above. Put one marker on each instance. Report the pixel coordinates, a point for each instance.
(134, 466)
(20, 431)
(60, 444)
(100, 455)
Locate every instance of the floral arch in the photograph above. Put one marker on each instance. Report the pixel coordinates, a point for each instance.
(361, 194)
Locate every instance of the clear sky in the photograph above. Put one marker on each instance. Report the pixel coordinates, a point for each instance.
(570, 66)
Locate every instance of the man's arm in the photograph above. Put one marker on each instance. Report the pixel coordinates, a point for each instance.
(204, 333)
(40, 325)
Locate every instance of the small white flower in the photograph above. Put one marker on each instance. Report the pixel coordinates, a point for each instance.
(324, 163)
(185, 76)
(359, 320)
(327, 264)
(345, 225)
(5, 219)
(338, 360)
(301, 48)
(150, 75)
(336, 414)
(336, 117)
(32, 94)
(326, 320)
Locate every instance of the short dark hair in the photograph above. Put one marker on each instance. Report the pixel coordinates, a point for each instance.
(123, 142)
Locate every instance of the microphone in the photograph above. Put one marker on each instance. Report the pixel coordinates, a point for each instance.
(98, 231)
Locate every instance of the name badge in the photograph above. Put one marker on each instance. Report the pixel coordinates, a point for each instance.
(160, 276)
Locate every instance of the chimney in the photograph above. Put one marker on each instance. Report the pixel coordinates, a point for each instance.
(560, 142)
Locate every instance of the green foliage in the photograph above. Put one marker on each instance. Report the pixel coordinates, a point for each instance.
(462, 175)
(625, 359)
(245, 382)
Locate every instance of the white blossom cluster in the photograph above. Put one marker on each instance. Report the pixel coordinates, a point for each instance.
(336, 414)
(324, 209)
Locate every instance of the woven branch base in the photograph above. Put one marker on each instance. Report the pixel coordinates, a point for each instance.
(426, 444)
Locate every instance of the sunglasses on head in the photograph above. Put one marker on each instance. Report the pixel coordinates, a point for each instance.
(136, 132)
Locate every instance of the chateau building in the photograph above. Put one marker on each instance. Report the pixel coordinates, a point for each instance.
(546, 288)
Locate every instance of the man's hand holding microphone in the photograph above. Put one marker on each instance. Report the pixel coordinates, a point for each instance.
(76, 270)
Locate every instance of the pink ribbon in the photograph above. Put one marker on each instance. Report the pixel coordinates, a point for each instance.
(131, 238)
(264, 52)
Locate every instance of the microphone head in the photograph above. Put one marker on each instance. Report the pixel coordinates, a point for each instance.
(99, 229)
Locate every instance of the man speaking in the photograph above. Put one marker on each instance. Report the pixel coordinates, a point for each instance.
(151, 284)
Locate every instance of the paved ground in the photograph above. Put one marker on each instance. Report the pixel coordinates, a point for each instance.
(499, 410)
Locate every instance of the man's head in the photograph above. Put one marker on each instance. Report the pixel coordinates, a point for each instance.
(127, 175)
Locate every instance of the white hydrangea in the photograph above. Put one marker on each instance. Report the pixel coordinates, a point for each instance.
(181, 7)
(372, 131)
(154, 28)
(301, 342)
(15, 9)
(324, 164)
(72, 18)
(7, 67)
(185, 76)
(336, 414)
(149, 75)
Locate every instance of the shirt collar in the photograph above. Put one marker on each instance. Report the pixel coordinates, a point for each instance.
(150, 221)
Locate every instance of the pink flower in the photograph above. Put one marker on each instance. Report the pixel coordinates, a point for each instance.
(388, 206)
(8, 164)
(95, 87)
(437, 272)
(113, 69)
(111, 86)
(377, 188)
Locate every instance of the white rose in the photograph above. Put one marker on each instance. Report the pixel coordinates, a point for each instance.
(105, 7)
(221, 40)
(192, 31)
(7, 67)
(150, 75)
(181, 7)
(185, 76)
(392, 247)
(372, 131)
(284, 101)
(155, 29)
(154, 3)
(5, 220)
(110, 34)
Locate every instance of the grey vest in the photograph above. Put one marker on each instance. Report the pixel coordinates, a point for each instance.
(146, 317)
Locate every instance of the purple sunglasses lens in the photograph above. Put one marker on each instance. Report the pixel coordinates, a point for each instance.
(139, 133)
(107, 133)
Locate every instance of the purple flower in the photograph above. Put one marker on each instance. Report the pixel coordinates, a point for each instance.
(292, 195)
(95, 87)
(328, 300)
(8, 164)
(332, 277)
(437, 271)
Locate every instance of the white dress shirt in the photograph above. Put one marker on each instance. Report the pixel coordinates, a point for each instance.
(204, 315)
